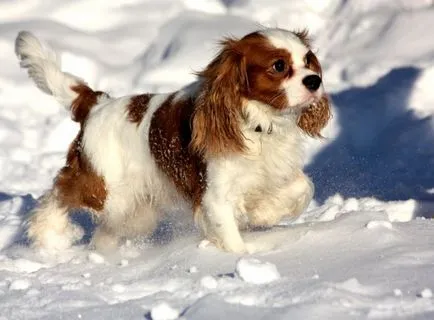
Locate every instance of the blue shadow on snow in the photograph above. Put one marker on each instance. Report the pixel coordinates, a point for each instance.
(383, 150)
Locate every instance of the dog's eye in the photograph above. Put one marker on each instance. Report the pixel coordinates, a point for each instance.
(279, 66)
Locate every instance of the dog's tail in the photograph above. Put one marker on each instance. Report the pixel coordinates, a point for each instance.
(43, 66)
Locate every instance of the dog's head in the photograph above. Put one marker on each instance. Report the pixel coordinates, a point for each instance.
(274, 67)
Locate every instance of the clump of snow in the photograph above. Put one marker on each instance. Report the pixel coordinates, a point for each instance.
(379, 224)
(256, 272)
(96, 258)
(193, 269)
(203, 244)
(208, 282)
(426, 293)
(124, 263)
(163, 311)
(21, 265)
(397, 292)
(118, 288)
(20, 284)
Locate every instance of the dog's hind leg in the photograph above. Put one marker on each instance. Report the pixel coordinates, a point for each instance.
(48, 225)
(133, 223)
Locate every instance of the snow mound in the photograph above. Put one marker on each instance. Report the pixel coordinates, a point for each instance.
(163, 311)
(256, 272)
(20, 284)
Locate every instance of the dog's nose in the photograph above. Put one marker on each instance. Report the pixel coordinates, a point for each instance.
(312, 82)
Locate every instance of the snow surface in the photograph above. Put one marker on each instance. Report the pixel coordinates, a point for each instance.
(364, 249)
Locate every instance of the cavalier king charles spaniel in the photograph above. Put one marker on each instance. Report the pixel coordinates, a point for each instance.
(228, 146)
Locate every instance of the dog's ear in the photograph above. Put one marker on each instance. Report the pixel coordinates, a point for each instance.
(315, 117)
(217, 115)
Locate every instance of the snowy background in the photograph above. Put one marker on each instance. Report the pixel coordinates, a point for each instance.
(364, 249)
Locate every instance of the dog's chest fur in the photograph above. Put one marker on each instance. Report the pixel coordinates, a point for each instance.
(272, 161)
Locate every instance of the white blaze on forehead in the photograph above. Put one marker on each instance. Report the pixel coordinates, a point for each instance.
(283, 39)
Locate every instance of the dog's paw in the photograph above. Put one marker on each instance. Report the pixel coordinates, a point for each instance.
(233, 247)
(104, 241)
(54, 239)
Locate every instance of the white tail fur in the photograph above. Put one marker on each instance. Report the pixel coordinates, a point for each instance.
(43, 65)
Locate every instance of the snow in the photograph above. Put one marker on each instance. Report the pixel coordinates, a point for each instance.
(209, 282)
(20, 284)
(426, 293)
(193, 269)
(362, 250)
(124, 262)
(163, 311)
(256, 272)
(379, 224)
(96, 258)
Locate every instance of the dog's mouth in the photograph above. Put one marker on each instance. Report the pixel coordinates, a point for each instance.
(310, 102)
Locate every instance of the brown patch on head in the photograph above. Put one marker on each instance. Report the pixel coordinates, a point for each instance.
(267, 68)
(77, 183)
(84, 102)
(170, 135)
(137, 107)
(217, 113)
(315, 117)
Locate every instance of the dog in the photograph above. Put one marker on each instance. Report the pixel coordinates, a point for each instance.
(228, 147)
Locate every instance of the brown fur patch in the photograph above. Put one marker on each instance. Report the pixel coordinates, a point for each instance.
(137, 107)
(77, 184)
(315, 117)
(263, 82)
(169, 139)
(85, 100)
(216, 118)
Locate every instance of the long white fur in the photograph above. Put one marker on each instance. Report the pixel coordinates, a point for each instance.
(43, 66)
(260, 186)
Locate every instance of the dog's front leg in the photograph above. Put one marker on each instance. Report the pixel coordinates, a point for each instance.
(216, 218)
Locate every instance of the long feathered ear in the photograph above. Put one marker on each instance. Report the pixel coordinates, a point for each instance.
(315, 117)
(217, 115)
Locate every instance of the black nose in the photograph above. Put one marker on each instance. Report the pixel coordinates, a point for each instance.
(312, 82)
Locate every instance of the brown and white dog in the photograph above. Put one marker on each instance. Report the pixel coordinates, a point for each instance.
(229, 146)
